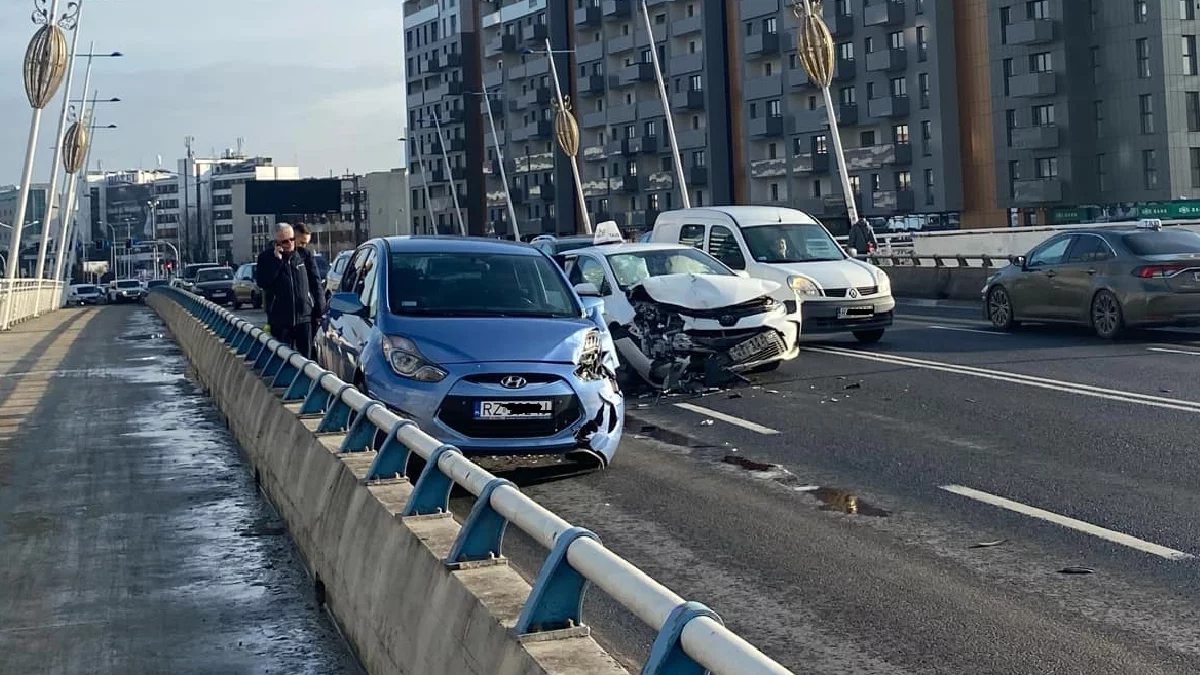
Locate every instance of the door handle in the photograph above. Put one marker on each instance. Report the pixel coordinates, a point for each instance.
(1091, 271)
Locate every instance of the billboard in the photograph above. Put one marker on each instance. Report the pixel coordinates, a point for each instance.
(289, 197)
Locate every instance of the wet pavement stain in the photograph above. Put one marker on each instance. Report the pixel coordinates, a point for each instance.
(747, 463)
(846, 502)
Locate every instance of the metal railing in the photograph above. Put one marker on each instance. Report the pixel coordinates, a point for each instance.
(690, 635)
(28, 298)
(913, 260)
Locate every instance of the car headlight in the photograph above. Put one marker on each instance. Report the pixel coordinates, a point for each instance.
(589, 357)
(805, 287)
(406, 360)
(883, 282)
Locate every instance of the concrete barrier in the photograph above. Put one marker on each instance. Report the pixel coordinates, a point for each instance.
(938, 283)
(384, 579)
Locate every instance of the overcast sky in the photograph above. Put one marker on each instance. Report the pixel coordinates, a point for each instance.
(314, 83)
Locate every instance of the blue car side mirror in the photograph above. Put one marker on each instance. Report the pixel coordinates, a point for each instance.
(346, 303)
(594, 309)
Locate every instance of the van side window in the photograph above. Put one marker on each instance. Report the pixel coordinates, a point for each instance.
(692, 235)
(723, 246)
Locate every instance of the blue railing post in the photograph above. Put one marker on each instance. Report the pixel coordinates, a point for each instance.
(337, 416)
(392, 460)
(666, 654)
(256, 349)
(275, 363)
(317, 400)
(298, 387)
(556, 601)
(361, 433)
(243, 342)
(431, 494)
(286, 373)
(482, 534)
(264, 356)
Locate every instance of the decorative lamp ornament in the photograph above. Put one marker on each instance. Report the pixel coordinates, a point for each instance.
(75, 144)
(47, 54)
(565, 128)
(814, 42)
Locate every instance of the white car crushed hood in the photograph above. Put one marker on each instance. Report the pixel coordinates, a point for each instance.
(833, 273)
(706, 291)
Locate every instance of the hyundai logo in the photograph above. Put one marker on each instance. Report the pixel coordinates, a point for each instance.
(513, 382)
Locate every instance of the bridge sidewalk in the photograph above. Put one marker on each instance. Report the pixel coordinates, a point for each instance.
(132, 538)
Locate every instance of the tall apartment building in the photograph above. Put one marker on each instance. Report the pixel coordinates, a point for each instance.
(1098, 108)
(442, 57)
(35, 213)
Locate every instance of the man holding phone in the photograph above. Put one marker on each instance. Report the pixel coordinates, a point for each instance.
(289, 284)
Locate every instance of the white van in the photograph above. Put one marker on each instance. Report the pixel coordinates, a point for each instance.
(839, 294)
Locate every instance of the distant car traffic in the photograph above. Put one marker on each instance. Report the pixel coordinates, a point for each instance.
(188, 277)
(333, 278)
(482, 342)
(125, 290)
(1106, 279)
(245, 287)
(85, 294)
(215, 284)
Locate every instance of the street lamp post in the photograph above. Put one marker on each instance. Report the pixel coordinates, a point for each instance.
(44, 67)
(462, 225)
(816, 54)
(666, 104)
(424, 179)
(566, 132)
(71, 222)
(508, 202)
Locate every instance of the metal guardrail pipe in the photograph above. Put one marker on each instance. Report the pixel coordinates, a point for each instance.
(690, 626)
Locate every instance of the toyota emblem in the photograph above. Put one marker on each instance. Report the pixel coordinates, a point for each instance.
(727, 320)
(853, 292)
(513, 382)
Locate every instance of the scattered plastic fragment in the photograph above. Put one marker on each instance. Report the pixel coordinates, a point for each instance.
(1077, 570)
(747, 463)
(854, 385)
(707, 423)
(989, 544)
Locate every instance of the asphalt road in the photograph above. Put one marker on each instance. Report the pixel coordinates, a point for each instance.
(1023, 503)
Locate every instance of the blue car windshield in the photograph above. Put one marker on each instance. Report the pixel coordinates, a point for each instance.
(478, 284)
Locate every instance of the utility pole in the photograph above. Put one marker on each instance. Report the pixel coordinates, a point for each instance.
(186, 238)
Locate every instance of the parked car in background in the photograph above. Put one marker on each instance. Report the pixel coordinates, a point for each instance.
(245, 287)
(552, 245)
(125, 290)
(322, 264)
(215, 284)
(1108, 279)
(188, 277)
(333, 278)
(85, 294)
(156, 283)
(482, 342)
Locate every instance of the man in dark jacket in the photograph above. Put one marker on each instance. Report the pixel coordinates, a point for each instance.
(303, 237)
(862, 237)
(288, 282)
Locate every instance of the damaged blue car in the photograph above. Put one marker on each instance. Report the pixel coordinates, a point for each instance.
(482, 342)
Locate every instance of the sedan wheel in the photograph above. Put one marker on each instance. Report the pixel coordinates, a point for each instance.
(1000, 308)
(1107, 317)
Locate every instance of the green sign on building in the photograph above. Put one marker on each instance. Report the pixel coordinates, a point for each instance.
(1170, 210)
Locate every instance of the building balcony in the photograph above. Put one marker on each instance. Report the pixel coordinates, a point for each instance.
(887, 60)
(692, 24)
(493, 78)
(618, 148)
(888, 107)
(1035, 138)
(591, 85)
(593, 153)
(537, 67)
(1038, 191)
(502, 44)
(811, 163)
(537, 32)
(439, 62)
(893, 201)
(645, 145)
(591, 51)
(538, 129)
(847, 114)
(766, 127)
(451, 145)
(594, 119)
(877, 156)
(536, 225)
(688, 100)
(768, 168)
(495, 102)
(622, 114)
(455, 116)
(798, 78)
(845, 70)
(1034, 31)
(697, 175)
(621, 44)
(762, 44)
(642, 220)
(754, 9)
(840, 25)
(538, 96)
(660, 34)
(518, 195)
(686, 64)
(692, 139)
(1033, 85)
(587, 16)
(883, 14)
(638, 72)
(624, 184)
(612, 10)
(544, 192)
(770, 86)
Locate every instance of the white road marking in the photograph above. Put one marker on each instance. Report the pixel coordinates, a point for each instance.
(1016, 378)
(1164, 350)
(969, 330)
(1068, 522)
(736, 421)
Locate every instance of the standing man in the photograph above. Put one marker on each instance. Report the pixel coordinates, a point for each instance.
(287, 280)
(862, 237)
(303, 236)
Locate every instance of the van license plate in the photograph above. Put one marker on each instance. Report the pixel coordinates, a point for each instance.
(514, 410)
(856, 312)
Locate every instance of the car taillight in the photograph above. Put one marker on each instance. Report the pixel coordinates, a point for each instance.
(1158, 271)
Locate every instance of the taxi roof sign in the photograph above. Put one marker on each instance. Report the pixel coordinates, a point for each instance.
(1150, 224)
(607, 233)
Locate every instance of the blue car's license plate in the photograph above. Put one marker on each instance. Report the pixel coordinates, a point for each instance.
(514, 410)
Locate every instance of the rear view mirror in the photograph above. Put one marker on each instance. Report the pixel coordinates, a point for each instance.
(587, 290)
(1020, 261)
(347, 303)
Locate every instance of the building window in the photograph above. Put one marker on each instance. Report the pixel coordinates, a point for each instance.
(1102, 172)
(1098, 115)
(846, 96)
(1008, 73)
(900, 133)
(1005, 22)
(1037, 9)
(896, 40)
(1096, 69)
(929, 196)
(1046, 168)
(899, 86)
(774, 108)
(1143, 58)
(1192, 101)
(774, 192)
(922, 44)
(1146, 106)
(1187, 10)
(926, 137)
(923, 88)
(1014, 175)
(1189, 55)
(1040, 63)
(1043, 115)
(1010, 123)
(1140, 12)
(1150, 169)
(903, 180)
(1195, 157)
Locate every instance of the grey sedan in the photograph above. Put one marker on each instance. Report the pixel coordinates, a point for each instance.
(1106, 279)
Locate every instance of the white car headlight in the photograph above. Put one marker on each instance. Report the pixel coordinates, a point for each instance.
(406, 360)
(804, 287)
(883, 282)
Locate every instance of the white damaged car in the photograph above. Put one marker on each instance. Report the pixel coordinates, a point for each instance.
(679, 317)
